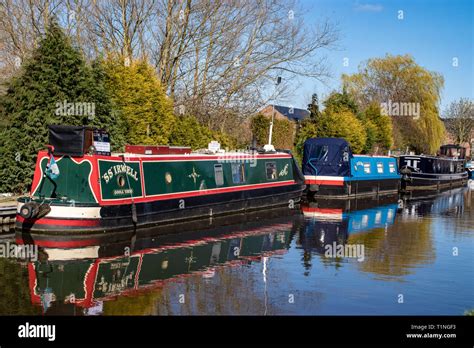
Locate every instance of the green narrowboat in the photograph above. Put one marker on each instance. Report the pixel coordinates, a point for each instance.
(80, 186)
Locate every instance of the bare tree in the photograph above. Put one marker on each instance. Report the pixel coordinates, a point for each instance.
(460, 120)
(21, 23)
(218, 58)
(225, 55)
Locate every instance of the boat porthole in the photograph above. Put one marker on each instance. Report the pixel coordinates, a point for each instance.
(121, 180)
(168, 178)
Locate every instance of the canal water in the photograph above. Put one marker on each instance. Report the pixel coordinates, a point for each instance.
(412, 256)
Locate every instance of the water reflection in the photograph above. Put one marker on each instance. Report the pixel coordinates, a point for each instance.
(85, 277)
(256, 263)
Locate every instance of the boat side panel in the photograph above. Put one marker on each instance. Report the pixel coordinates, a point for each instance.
(74, 183)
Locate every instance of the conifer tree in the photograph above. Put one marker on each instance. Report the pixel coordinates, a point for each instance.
(139, 98)
(56, 75)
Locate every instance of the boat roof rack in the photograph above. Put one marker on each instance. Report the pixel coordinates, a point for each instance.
(157, 149)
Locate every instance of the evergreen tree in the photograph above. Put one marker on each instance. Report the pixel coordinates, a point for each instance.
(337, 102)
(378, 127)
(342, 124)
(56, 73)
(313, 108)
(283, 134)
(139, 98)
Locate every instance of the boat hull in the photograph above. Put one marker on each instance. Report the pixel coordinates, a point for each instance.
(343, 189)
(431, 173)
(120, 217)
(428, 181)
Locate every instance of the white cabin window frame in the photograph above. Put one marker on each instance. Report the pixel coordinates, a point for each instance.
(379, 167)
(367, 168)
(238, 173)
(219, 174)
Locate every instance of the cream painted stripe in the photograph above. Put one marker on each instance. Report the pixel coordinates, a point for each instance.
(70, 212)
(321, 177)
(57, 254)
(324, 216)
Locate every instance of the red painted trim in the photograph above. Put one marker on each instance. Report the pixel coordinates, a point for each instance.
(62, 222)
(35, 298)
(136, 158)
(62, 243)
(37, 176)
(324, 182)
(223, 157)
(89, 285)
(161, 197)
(136, 282)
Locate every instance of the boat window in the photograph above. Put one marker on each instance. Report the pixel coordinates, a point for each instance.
(380, 168)
(271, 170)
(367, 168)
(219, 174)
(391, 167)
(238, 173)
(320, 153)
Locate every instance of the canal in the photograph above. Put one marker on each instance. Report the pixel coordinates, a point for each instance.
(367, 257)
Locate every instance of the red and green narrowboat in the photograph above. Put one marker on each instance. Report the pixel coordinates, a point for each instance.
(80, 186)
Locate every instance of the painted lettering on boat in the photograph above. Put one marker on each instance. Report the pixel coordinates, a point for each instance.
(123, 192)
(119, 169)
(284, 171)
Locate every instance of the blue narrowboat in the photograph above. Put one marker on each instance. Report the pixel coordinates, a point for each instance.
(329, 222)
(330, 169)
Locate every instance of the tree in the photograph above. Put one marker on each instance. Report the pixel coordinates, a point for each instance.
(307, 129)
(56, 73)
(337, 102)
(211, 56)
(140, 100)
(342, 124)
(313, 108)
(283, 134)
(460, 120)
(400, 81)
(339, 119)
(378, 128)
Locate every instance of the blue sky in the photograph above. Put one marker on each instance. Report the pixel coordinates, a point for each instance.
(434, 32)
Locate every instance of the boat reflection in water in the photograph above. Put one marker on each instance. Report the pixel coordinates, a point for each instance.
(77, 276)
(445, 202)
(333, 221)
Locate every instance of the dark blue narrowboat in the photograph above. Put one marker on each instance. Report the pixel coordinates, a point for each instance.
(470, 169)
(445, 170)
(332, 170)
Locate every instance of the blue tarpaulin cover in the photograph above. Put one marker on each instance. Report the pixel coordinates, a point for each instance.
(327, 156)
